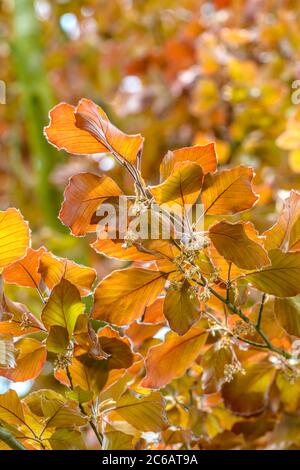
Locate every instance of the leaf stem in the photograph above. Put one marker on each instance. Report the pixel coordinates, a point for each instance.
(261, 307)
(91, 423)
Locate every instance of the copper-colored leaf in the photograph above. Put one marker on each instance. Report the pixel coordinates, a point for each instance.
(213, 363)
(53, 269)
(228, 192)
(203, 155)
(83, 195)
(16, 320)
(115, 249)
(181, 309)
(87, 373)
(87, 130)
(30, 358)
(24, 272)
(14, 236)
(247, 394)
(113, 439)
(173, 357)
(121, 297)
(233, 242)
(117, 348)
(285, 234)
(287, 312)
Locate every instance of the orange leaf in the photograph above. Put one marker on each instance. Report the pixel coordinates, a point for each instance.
(16, 320)
(233, 243)
(121, 297)
(285, 234)
(203, 155)
(24, 272)
(229, 191)
(170, 359)
(53, 269)
(87, 130)
(14, 236)
(30, 360)
(114, 249)
(83, 195)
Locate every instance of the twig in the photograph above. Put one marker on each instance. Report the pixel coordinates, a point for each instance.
(91, 423)
(10, 440)
(261, 307)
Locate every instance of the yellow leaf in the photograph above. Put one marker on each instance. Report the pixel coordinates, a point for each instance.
(63, 307)
(282, 278)
(14, 236)
(182, 187)
(145, 413)
(11, 410)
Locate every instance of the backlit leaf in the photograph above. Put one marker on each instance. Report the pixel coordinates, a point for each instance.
(24, 272)
(282, 278)
(145, 413)
(16, 320)
(233, 242)
(14, 236)
(203, 155)
(86, 129)
(247, 394)
(11, 410)
(173, 357)
(63, 307)
(54, 269)
(113, 439)
(181, 188)
(30, 358)
(83, 195)
(228, 192)
(67, 439)
(285, 233)
(121, 297)
(287, 312)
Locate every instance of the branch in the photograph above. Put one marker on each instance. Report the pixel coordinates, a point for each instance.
(10, 440)
(263, 299)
